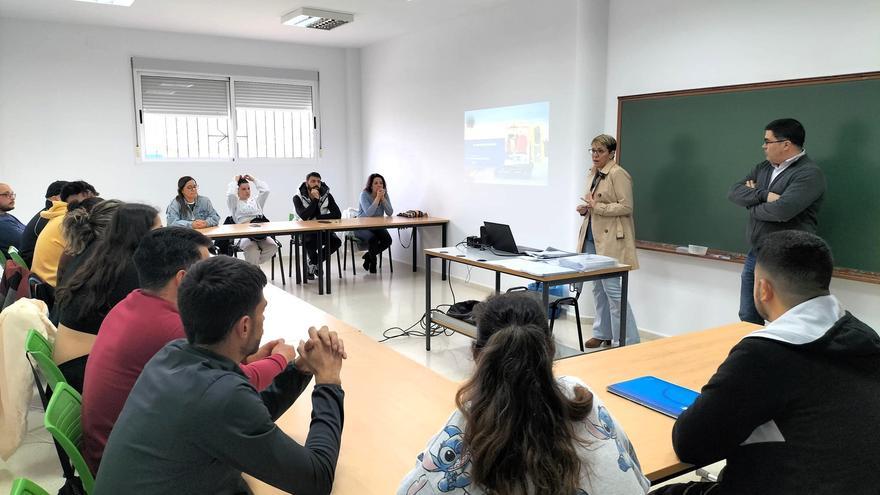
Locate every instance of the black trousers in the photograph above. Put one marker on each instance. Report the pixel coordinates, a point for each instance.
(311, 243)
(380, 241)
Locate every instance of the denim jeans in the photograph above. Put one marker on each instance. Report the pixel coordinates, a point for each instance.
(747, 310)
(606, 294)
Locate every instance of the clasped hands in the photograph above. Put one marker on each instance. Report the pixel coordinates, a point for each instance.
(771, 196)
(321, 355)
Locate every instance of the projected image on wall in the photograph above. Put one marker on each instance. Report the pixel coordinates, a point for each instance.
(508, 145)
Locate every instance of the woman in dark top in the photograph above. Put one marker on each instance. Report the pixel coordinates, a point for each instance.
(104, 276)
(85, 223)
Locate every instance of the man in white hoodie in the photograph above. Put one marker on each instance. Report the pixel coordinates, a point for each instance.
(794, 407)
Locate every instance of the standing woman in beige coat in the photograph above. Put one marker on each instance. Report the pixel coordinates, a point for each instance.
(608, 230)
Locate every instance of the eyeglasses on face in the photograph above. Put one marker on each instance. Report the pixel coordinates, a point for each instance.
(777, 141)
(192, 187)
(596, 151)
(10, 195)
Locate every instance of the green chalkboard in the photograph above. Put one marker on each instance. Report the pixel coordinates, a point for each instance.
(685, 149)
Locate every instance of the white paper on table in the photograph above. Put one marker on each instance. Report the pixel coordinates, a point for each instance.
(532, 267)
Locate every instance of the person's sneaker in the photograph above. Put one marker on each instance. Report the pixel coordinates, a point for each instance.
(593, 343)
(313, 269)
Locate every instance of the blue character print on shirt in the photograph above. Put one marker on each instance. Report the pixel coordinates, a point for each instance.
(451, 458)
(605, 431)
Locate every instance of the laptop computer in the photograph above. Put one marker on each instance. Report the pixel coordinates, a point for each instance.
(500, 238)
(662, 396)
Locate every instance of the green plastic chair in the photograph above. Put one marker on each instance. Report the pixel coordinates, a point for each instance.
(64, 421)
(24, 486)
(2, 258)
(40, 350)
(16, 257)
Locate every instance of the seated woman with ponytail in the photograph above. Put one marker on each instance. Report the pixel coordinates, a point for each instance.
(83, 226)
(518, 430)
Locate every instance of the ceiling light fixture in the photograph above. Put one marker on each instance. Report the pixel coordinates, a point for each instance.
(120, 3)
(309, 17)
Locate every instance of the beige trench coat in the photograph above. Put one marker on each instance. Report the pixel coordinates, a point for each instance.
(613, 227)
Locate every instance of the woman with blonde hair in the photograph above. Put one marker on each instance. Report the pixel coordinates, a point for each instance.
(608, 229)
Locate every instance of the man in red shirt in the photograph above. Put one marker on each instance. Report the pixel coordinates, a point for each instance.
(141, 324)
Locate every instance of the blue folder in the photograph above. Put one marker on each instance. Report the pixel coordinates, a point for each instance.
(654, 393)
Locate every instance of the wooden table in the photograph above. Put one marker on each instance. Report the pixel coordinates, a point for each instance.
(483, 258)
(325, 228)
(393, 405)
(687, 360)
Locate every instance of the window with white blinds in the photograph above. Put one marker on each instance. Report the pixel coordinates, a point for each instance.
(274, 120)
(192, 117)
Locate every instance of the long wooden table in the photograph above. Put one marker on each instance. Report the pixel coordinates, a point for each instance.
(687, 360)
(483, 259)
(393, 405)
(325, 228)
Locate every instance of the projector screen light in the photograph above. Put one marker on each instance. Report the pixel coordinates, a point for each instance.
(308, 17)
(119, 3)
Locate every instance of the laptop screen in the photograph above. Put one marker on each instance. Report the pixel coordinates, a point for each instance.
(499, 237)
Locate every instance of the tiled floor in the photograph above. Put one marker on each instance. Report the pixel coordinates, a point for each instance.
(373, 303)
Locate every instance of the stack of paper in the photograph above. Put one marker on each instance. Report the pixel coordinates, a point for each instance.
(585, 262)
(549, 253)
(532, 267)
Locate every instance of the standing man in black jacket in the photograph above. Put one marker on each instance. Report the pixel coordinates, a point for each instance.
(193, 422)
(794, 406)
(314, 202)
(783, 192)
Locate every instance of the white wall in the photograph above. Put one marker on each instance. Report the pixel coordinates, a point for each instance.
(663, 45)
(580, 55)
(66, 112)
(416, 89)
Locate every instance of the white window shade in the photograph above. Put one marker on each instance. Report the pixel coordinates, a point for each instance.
(184, 96)
(276, 96)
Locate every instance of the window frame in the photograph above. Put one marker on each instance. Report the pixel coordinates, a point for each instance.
(234, 157)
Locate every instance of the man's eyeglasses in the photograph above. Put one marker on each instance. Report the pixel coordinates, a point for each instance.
(10, 195)
(777, 141)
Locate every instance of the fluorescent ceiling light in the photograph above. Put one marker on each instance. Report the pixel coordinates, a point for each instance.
(316, 18)
(121, 3)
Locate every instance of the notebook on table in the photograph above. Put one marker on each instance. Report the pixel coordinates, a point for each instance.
(662, 396)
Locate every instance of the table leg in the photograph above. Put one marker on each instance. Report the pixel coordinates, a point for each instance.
(624, 288)
(320, 264)
(497, 282)
(545, 295)
(442, 244)
(329, 270)
(295, 248)
(414, 245)
(427, 302)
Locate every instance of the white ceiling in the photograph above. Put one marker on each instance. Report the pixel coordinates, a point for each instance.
(374, 20)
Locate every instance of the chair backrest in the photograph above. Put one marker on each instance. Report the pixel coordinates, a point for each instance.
(40, 350)
(24, 486)
(350, 213)
(16, 257)
(64, 421)
(2, 257)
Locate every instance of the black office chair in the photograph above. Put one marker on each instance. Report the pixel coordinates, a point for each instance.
(296, 243)
(231, 248)
(554, 307)
(352, 240)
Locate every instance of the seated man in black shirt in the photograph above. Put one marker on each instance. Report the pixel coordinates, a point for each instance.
(35, 226)
(193, 423)
(314, 202)
(793, 406)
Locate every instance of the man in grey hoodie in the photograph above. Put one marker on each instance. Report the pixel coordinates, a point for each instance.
(794, 405)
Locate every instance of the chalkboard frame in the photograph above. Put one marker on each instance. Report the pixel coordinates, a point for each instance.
(732, 257)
